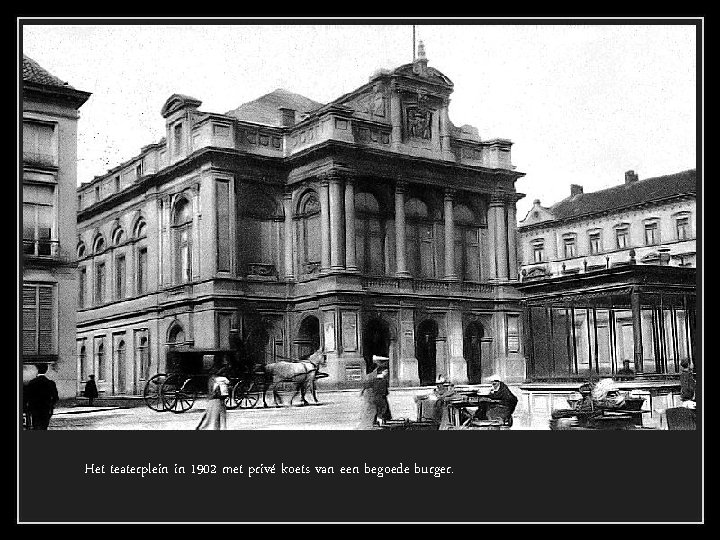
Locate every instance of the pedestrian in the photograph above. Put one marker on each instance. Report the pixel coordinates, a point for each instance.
(376, 408)
(215, 415)
(687, 382)
(625, 373)
(91, 391)
(40, 396)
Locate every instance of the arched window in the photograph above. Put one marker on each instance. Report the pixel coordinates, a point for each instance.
(141, 257)
(121, 367)
(369, 235)
(118, 236)
(182, 222)
(176, 335)
(144, 358)
(309, 233)
(99, 244)
(100, 354)
(82, 360)
(467, 244)
(260, 229)
(419, 239)
(81, 249)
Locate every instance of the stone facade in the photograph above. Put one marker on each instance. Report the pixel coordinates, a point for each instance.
(50, 116)
(303, 225)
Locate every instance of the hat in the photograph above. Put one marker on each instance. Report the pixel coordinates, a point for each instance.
(380, 359)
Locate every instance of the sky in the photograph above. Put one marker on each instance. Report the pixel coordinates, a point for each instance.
(581, 103)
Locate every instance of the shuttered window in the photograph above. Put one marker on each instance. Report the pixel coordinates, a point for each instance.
(38, 320)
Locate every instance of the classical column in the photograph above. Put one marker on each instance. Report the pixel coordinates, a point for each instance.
(512, 240)
(637, 330)
(501, 244)
(288, 240)
(400, 230)
(449, 236)
(350, 224)
(324, 226)
(337, 223)
(445, 129)
(492, 243)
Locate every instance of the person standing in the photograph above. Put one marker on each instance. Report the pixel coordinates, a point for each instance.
(40, 396)
(687, 382)
(376, 408)
(91, 391)
(215, 415)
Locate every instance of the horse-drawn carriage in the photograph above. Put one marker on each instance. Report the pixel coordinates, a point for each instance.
(189, 370)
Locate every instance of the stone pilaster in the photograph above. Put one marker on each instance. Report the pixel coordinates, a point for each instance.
(288, 236)
(400, 252)
(450, 274)
(337, 222)
(350, 262)
(324, 226)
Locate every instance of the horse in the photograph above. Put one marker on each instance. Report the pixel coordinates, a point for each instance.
(302, 373)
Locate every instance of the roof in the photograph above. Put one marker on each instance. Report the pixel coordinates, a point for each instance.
(35, 73)
(625, 195)
(265, 109)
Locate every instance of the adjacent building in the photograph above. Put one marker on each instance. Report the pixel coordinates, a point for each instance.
(609, 285)
(49, 184)
(367, 225)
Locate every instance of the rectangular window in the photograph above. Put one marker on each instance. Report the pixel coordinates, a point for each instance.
(139, 171)
(117, 183)
(651, 233)
(142, 271)
(513, 333)
(82, 283)
(38, 144)
(621, 236)
(570, 247)
(38, 320)
(222, 194)
(594, 243)
(97, 193)
(682, 226)
(539, 252)
(177, 141)
(38, 218)
(120, 277)
(100, 283)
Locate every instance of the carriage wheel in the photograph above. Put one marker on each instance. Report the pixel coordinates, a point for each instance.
(245, 395)
(177, 395)
(151, 392)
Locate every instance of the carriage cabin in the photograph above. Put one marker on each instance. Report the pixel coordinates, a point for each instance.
(369, 225)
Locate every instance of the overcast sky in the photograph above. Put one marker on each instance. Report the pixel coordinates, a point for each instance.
(582, 104)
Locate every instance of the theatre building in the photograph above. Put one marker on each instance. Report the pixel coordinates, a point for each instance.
(49, 183)
(609, 281)
(367, 225)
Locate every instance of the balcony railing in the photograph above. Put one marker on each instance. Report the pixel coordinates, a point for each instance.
(41, 248)
(425, 285)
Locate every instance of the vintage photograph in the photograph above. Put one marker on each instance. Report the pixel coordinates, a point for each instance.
(476, 225)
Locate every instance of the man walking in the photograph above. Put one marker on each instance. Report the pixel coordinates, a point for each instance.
(40, 396)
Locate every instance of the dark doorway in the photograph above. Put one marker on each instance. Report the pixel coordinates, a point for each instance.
(425, 351)
(308, 340)
(376, 341)
(472, 351)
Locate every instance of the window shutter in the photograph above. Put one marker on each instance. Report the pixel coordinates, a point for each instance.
(45, 321)
(29, 321)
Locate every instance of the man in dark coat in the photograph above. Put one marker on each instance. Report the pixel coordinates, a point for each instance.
(687, 382)
(91, 391)
(40, 396)
(505, 405)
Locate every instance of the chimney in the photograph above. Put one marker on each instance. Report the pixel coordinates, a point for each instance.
(575, 189)
(630, 177)
(288, 116)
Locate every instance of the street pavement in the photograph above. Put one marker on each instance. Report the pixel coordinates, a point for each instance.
(336, 410)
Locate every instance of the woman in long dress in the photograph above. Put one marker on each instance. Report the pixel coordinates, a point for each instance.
(215, 415)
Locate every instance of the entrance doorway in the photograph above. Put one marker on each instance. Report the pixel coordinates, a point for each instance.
(308, 340)
(425, 350)
(376, 341)
(473, 352)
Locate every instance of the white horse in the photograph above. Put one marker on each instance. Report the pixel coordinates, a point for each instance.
(301, 373)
